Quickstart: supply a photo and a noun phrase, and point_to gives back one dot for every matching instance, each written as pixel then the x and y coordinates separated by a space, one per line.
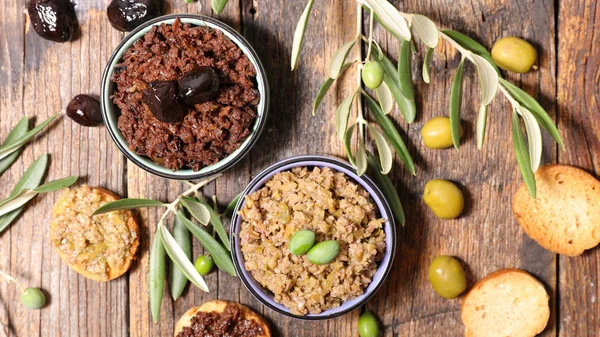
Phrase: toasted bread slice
pixel 506 303
pixel 101 247
pixel 219 307
pixel 565 216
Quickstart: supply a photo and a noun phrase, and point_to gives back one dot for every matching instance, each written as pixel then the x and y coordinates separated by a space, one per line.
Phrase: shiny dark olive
pixel 126 15
pixel 53 20
pixel 162 98
pixel 85 110
pixel 199 86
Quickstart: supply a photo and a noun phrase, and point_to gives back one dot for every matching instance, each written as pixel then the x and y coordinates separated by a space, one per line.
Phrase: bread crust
pixel 515 276
pixel 565 216
pixel 132 224
pixel 219 306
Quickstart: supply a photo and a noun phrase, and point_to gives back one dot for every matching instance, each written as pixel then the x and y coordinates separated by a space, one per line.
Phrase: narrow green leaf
pixel 180 259
pixel 8 218
pixel 6 150
pixel 388 189
pixel 455 104
pixel 391 133
pixel 198 210
pixel 361 158
pixel 189 1
pixel 385 154
pixel 388 16
pixel 481 125
pixel 57 184
pixel 218 5
pixel 18 131
pixel 299 33
pixel 156 276
pixel 219 254
pixel 215 220
pixel 427 65
pixel 522 155
pixel 231 207
pixel 177 279
pixel 405 70
pixel 19 200
pixel 385 98
pixel 342 114
pixel 471 45
pixel 348 144
pixel 534 137
pixel 535 108
pixel 123 204
pixel 339 59
pixel 488 78
pixel 321 94
pixel 426 30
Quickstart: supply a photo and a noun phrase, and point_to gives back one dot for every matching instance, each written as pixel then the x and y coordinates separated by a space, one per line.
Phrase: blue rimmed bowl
pixel 383 268
pixel 111 112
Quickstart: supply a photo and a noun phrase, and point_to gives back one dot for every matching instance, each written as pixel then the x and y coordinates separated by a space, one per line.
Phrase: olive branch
pixel 397 86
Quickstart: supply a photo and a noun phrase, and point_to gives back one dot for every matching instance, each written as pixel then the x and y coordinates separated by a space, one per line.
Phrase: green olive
pixel 444 198
pixel 323 252
pixel 436 133
pixel 368 325
pixel 514 54
pixel 204 264
pixel 302 242
pixel 33 298
pixel 372 74
pixel 447 276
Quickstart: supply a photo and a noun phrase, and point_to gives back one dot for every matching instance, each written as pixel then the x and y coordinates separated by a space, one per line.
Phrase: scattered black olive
pixel 85 110
pixel 53 20
pixel 126 15
pixel 199 86
pixel 164 102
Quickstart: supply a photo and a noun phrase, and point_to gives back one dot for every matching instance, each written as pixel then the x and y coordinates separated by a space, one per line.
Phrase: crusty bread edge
pixel 219 306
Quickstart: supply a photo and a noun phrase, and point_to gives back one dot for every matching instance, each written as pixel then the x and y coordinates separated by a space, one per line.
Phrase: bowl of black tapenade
pixel 184 96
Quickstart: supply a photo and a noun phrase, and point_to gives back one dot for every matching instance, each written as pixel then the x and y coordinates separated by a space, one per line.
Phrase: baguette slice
pixel 506 303
pixel 565 216
pixel 219 306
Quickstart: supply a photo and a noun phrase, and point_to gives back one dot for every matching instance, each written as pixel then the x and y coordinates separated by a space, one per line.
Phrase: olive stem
pixel 11 279
pixel 370 36
pixel 359 18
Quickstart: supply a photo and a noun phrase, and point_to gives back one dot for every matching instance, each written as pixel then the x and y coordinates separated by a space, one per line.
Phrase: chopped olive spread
pixel 229 323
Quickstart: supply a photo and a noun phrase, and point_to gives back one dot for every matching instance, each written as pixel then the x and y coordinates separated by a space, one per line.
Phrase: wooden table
pixel 38 78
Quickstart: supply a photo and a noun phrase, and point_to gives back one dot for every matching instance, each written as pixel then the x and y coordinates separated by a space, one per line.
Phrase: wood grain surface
pixel 38 78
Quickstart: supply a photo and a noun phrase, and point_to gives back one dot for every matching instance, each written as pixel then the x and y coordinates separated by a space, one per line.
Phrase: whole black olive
pixel 164 102
pixel 85 110
pixel 53 20
pixel 199 86
pixel 126 15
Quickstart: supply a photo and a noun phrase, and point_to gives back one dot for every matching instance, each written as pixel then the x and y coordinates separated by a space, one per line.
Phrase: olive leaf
pixel 361 158
pixel 385 154
pixel 488 76
pixel 535 108
pixel 455 104
pixel 23 196
pixel 16 144
pixel 218 5
pixel 177 279
pixel 215 220
pixel 385 98
pixel 325 87
pixel 31 179
pixel 123 204
pixel 348 144
pixel 481 125
pixel 534 137
pixel 56 184
pixel 231 207
pixel 391 133
pixel 342 114
pixel 180 259
pixel 471 45
pixel 299 33
pixel 156 276
pixel 198 210
pixel 425 29
pixel 339 59
pixel 405 70
pixel 219 254
pixel 427 65
pixel 18 131
pixel 388 16
pixel 388 189
pixel 522 155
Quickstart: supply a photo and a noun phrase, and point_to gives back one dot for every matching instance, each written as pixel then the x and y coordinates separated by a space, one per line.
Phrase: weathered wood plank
pixel 486 237
pixel 578 97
